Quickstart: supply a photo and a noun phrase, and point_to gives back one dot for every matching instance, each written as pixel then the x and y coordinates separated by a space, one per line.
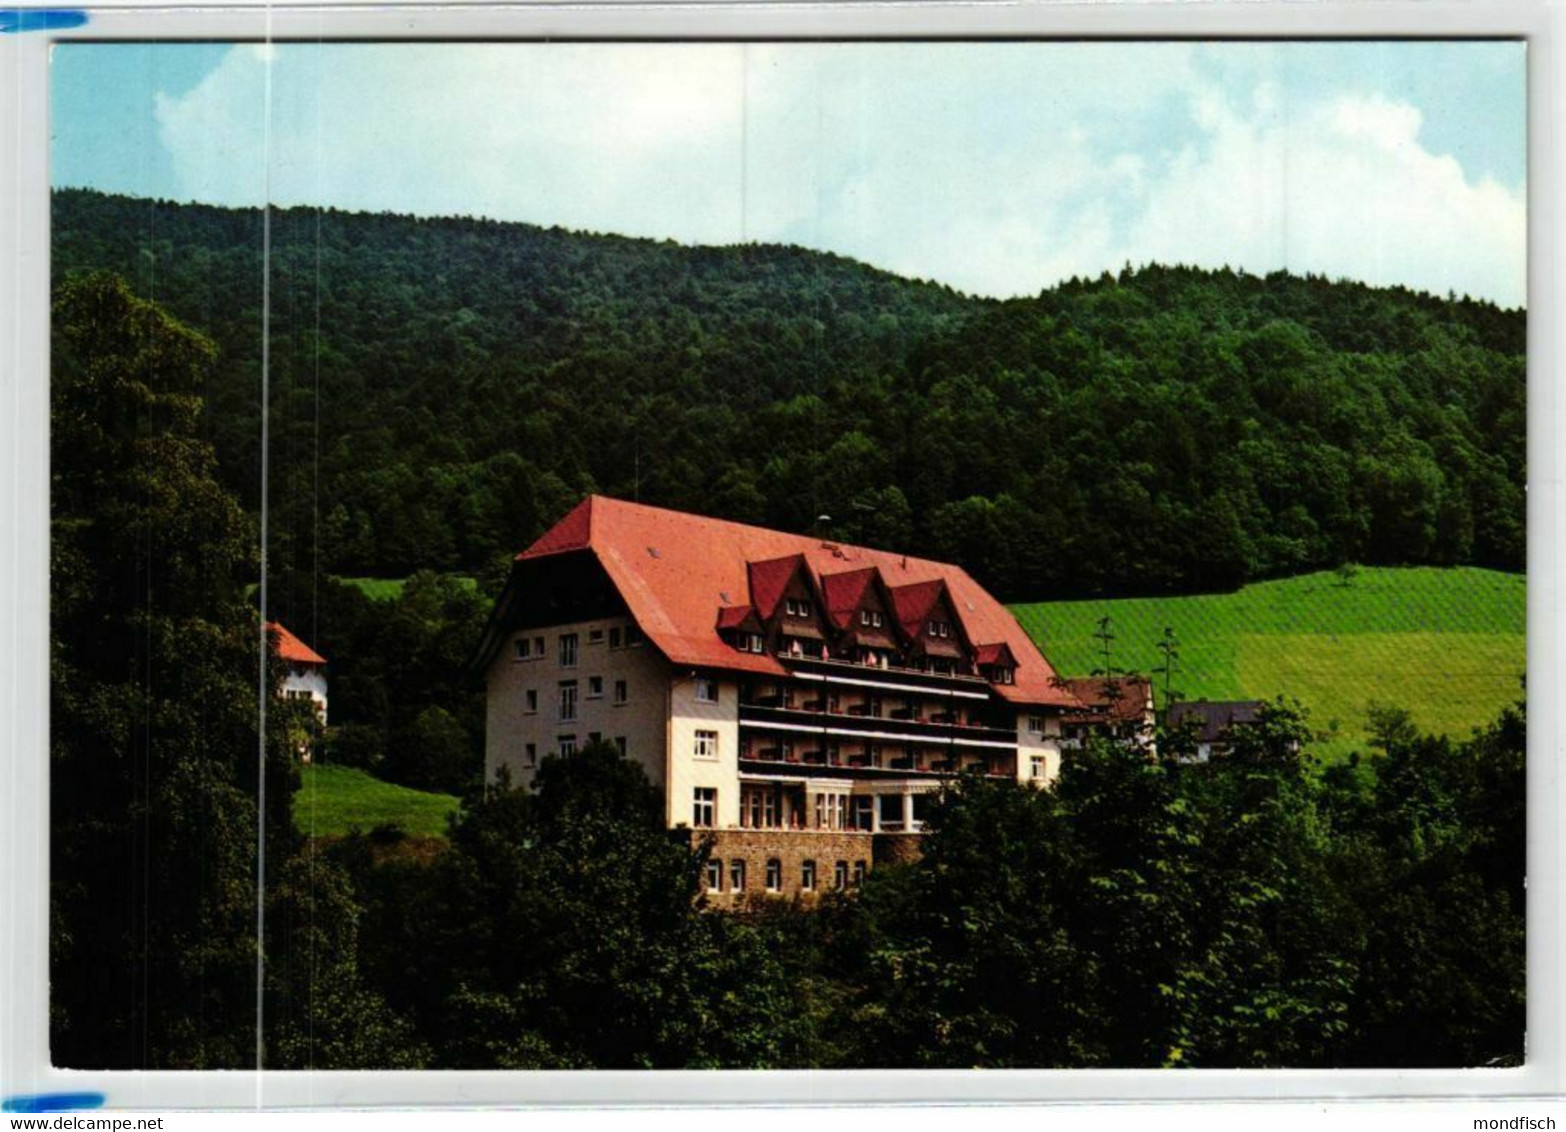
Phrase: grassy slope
pixel 1448 645
pixel 335 799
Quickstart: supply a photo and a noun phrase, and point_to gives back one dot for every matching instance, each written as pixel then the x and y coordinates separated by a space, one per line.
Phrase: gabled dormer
pixel 934 634
pixel 996 663
pixel 742 628
pixel 786 599
pixel 860 609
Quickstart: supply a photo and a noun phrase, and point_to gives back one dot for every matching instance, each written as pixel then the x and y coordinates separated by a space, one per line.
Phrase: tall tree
pixel 155 660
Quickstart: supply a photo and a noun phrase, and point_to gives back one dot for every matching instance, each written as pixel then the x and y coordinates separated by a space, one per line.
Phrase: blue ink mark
pixel 40 19
pixel 52 1102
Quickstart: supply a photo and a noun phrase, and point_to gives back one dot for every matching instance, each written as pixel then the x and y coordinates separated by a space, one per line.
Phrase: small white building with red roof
pixel 305 678
pixel 802 699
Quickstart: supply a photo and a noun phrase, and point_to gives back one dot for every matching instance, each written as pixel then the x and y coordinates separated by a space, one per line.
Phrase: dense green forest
pixel 442 390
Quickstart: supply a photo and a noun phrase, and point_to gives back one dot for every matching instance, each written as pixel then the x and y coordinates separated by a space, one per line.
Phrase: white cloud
pixel 997 168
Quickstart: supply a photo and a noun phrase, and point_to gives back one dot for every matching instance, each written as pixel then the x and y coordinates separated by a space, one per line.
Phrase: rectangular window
pixel 1036 766
pixel 771 818
pixel 567 650
pixel 714 876
pixel 538 646
pixel 567 701
pixel 864 617
pixel 706 745
pixel 807 876
pixel 804 608
pixel 737 875
pixel 706 690
pixel 876 620
pixel 756 643
pixel 532 754
pixel 595 687
pixel 619 742
pixel 633 636
pixel 595 636
pixel 614 637
pixel 793 607
pixel 1036 724
pixel 891 809
pixel 622 692
pixel 530 700
pixel 840 875
pixel 774 875
pixel 524 648
pixel 704 812
pixel 862 812
pixel 859 872
pixel 567 744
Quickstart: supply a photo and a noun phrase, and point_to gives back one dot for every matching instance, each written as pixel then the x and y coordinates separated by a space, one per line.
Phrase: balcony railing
pixel 901 724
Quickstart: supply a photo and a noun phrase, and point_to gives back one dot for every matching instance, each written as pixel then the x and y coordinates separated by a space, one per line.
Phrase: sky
pixel 998 168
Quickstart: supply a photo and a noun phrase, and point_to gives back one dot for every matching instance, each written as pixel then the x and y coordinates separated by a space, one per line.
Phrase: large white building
pixel 305 675
pixel 800 698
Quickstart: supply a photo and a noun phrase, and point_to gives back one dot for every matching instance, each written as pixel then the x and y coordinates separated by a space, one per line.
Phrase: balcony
pixel 898 725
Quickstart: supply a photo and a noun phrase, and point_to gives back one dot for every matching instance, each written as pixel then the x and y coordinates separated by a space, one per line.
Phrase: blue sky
pixel 999 168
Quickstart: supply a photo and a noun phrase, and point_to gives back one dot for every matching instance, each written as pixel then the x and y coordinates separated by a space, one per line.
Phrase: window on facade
pixel 774 875
pixel 538 646
pixel 1036 724
pixel 619 742
pixel 831 811
pixel 531 754
pixel 633 636
pixel 864 617
pixel 804 608
pixel 524 648
pixel 704 812
pixel 1036 766
pixel 622 692
pixel 706 745
pixel 1003 675
pixel 567 701
pixel 714 876
pixel 807 876
pixel 567 650
pixel 567 744
pixel 877 620
pixel 614 637
pixel 595 636
pixel 706 690
pixel 756 643
pixel 595 687
pixel 859 872
pixel 737 875
pixel 530 699
pixel 921 808
pixel 840 875
pixel 891 809
pixel 792 606
pixel 862 813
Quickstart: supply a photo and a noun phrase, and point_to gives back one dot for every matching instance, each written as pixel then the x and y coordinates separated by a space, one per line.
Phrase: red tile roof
pixel 291 648
pixel 671 568
pixel 1123 699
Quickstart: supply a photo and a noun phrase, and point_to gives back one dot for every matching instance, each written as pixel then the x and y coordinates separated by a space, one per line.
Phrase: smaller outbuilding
pixel 306 675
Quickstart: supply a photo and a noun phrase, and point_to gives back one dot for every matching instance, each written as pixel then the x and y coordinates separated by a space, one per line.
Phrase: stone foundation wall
pixel 792 848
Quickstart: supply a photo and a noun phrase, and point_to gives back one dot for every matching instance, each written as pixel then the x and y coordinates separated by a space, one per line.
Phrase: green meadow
pixel 1445 644
pixel 334 800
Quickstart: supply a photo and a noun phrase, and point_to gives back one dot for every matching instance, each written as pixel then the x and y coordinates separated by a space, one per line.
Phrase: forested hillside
pixel 442 390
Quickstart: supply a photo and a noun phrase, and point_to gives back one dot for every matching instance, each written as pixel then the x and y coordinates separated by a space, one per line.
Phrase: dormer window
pixel 864 617
pixel 793 607
pixel 1004 674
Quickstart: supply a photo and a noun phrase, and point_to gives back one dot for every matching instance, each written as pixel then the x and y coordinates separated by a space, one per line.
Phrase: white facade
pixel 307 682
